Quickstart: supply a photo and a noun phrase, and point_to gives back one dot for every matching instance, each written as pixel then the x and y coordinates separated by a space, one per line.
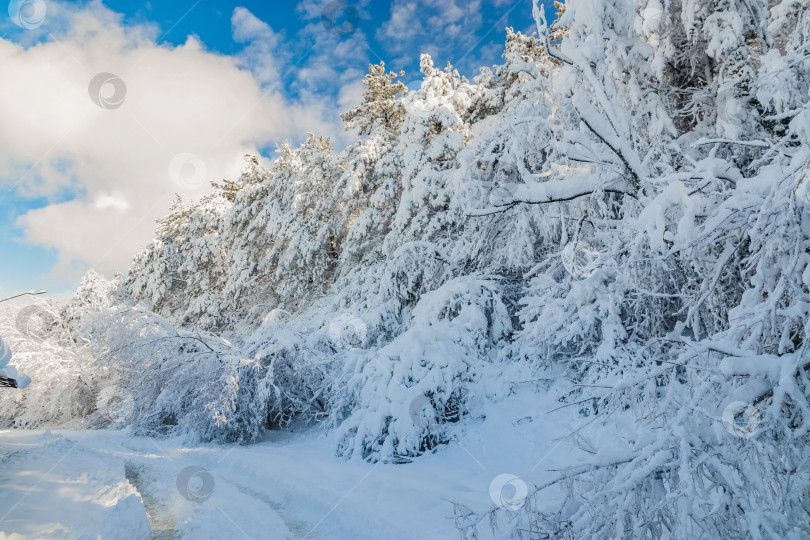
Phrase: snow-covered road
pixel 84 484
pixel 108 484
pixel 103 484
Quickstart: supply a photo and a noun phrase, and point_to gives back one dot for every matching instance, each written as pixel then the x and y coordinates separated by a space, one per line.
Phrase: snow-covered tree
pixel 380 105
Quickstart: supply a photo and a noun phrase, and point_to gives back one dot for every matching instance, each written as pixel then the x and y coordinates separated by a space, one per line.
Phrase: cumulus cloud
pixel 173 118
pixel 331 46
pixel 440 25
pixel 262 54
pixel 108 168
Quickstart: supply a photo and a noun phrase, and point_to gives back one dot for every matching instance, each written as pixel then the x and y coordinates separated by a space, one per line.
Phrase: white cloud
pixel 261 55
pixel 113 163
pixel 405 23
pixel 440 25
pixel 327 58
pixel 115 201
pixel 351 94
pixel 107 170
pixel 319 66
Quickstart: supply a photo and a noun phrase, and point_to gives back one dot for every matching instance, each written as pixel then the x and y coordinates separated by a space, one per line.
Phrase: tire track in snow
pixel 172 517
pixel 298 528
pixel 161 519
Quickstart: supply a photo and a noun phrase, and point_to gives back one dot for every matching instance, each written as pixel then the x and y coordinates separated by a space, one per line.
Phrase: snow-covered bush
pixel 49 344
pixel 435 362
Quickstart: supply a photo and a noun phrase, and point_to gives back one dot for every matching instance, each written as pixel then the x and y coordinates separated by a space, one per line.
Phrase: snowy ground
pixel 86 484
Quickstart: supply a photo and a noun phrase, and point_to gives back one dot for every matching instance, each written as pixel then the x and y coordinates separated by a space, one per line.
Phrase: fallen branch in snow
pixel 472 520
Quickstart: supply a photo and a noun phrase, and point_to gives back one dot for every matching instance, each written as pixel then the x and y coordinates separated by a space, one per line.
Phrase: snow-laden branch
pixel 553 191
pixel 539 14
pixel 704 141
pixel 605 132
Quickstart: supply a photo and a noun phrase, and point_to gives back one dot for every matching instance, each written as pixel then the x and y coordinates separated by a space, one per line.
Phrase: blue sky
pixel 210 20
pixel 80 186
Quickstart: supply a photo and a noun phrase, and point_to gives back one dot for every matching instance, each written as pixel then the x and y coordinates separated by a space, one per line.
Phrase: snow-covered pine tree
pixel 380 106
